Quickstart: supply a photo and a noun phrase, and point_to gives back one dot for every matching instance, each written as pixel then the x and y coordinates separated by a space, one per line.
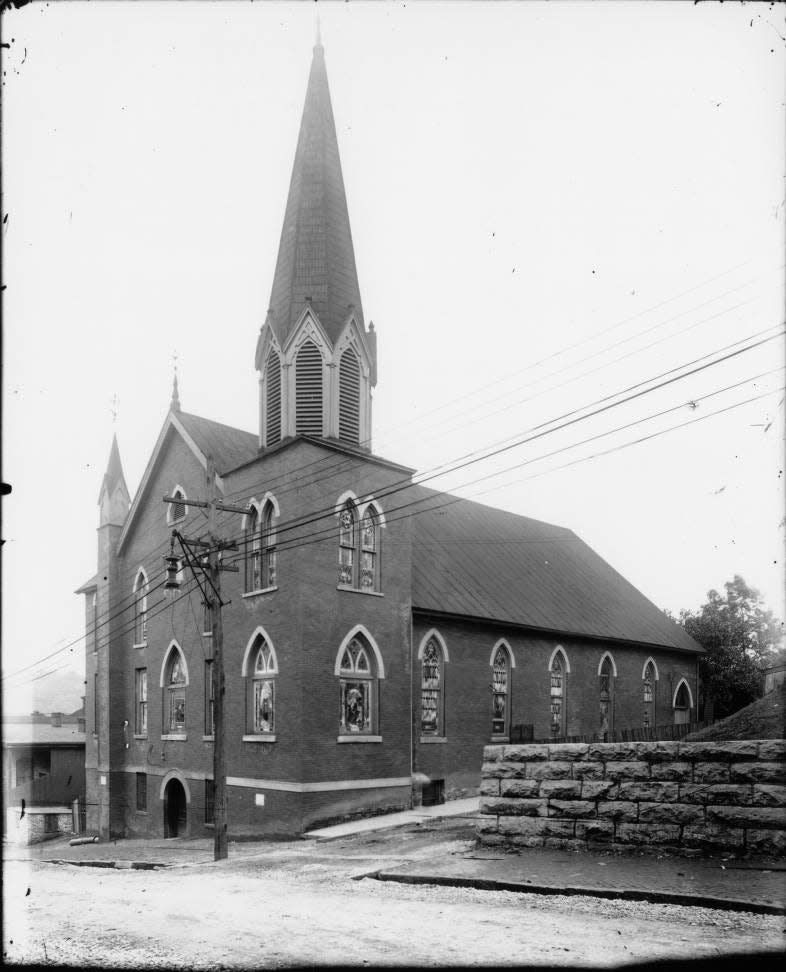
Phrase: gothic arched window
pixel 606 697
pixel 649 694
pixel 432 701
pixel 268 543
pixel 175 682
pixel 500 693
pixel 349 397
pixel 272 399
pixel 369 550
pixel 308 390
pixel 357 689
pixel 558 677
pixel 262 688
pixel 683 703
pixel 253 551
pixel 347 541
pixel 140 608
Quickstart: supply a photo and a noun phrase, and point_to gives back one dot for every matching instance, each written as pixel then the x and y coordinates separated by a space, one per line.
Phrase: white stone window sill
pixel 174 737
pixel 500 739
pixel 140 735
pixel 208 738
pixel 262 590
pixel 358 738
pixel 433 739
pixel 267 737
pixel 141 644
pixel 139 812
pixel 207 634
pixel 358 590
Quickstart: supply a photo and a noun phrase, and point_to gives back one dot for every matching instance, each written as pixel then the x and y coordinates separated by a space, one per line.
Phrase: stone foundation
pixel 687 797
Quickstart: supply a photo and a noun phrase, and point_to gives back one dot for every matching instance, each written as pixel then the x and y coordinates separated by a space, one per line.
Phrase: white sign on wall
pixel 259 799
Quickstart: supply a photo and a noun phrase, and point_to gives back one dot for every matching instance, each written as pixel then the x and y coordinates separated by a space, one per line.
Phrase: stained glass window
pixel 356 690
pixel 500 676
pixel 263 693
pixel 431 709
pixel 557 697
pixel 268 546
pixel 368 551
pixel 606 711
pixel 176 693
pixel 253 551
pixel 649 675
pixel 346 546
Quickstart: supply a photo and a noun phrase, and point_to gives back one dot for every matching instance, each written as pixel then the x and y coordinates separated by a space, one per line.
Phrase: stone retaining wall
pixel 691 797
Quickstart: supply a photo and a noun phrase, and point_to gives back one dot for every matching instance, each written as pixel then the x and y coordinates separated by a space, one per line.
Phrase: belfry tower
pixel 316 359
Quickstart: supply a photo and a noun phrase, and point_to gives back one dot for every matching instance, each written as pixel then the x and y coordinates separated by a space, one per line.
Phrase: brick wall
pixel 467 691
pixel 690 797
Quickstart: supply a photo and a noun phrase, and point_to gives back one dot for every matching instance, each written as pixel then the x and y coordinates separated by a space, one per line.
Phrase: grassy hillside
pixel 763 719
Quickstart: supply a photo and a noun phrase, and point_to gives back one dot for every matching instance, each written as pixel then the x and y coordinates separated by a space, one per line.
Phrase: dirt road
pixel 302 903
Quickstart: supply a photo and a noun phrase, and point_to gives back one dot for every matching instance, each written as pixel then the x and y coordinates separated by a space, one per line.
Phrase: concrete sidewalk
pixel 454 808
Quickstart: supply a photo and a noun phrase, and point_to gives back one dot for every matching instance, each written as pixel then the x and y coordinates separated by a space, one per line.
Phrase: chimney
pixel 57 718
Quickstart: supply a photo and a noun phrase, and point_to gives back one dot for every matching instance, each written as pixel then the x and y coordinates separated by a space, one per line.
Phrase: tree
pixel 740 637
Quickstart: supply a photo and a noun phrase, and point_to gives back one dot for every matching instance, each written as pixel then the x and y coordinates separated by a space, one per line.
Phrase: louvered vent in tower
pixel 308 390
pixel 349 398
pixel 273 403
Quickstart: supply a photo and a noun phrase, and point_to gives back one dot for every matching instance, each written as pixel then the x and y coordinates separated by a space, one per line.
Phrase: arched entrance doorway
pixel 175 809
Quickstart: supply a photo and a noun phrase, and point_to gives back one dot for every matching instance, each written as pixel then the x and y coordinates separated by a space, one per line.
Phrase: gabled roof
pixel 229 447
pixel 316 259
pixel 477 561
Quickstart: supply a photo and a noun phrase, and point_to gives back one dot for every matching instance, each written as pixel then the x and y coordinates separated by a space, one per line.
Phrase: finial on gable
pixel 174 405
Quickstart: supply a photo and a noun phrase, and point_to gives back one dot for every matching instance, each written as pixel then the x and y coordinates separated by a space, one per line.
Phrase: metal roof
pixel 477 561
pixel 228 446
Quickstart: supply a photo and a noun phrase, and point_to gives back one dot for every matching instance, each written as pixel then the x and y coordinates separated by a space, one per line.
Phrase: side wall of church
pixel 467 686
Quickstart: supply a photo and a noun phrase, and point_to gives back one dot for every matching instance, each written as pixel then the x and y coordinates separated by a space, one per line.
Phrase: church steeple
pixel 114 499
pixel 315 320
pixel 316 259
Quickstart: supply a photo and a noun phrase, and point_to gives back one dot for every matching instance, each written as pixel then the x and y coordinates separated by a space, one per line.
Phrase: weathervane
pixel 174 405
pixel 114 408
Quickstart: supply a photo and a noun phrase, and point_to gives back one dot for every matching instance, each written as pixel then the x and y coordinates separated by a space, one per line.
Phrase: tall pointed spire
pixel 316 259
pixel 114 498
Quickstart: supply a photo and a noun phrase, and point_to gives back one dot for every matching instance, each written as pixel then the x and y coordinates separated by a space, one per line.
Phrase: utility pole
pixel 212 596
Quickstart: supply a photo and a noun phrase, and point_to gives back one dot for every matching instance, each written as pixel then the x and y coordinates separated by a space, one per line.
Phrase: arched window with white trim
pixel 358 689
pixel 369 550
pixel 682 704
pixel 253 551
pixel 140 608
pixel 558 673
pixel 648 691
pixel 268 545
pixel 175 682
pixel 347 542
pixel 500 692
pixel 606 697
pixel 432 690
pixel 262 669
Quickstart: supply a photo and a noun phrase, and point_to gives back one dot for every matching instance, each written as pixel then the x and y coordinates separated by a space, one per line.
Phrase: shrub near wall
pixel 688 797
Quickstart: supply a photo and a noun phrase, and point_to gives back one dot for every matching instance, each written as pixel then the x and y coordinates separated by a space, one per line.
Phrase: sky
pixel 550 203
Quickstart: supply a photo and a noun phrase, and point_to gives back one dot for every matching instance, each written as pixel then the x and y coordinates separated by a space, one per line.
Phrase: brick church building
pixel 379 633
